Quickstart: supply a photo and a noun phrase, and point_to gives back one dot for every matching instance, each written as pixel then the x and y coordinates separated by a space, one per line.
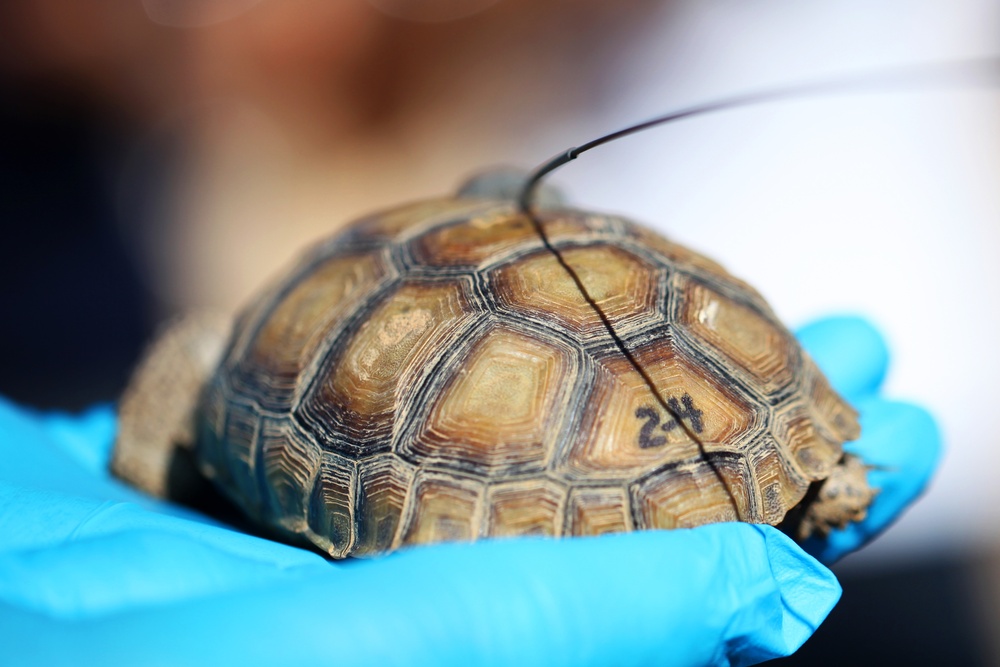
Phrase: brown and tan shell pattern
pixel 433 373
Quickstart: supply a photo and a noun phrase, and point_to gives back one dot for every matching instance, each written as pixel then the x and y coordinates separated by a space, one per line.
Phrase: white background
pixel 882 204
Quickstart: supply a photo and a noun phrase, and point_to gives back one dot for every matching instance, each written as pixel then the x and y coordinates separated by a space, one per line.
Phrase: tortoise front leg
pixel 156 414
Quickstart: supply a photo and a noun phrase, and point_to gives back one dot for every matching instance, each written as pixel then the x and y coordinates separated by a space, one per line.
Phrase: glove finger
pixel 723 594
pixel 92 556
pixel 35 455
pixel 54 473
pixel 125 571
pixel 850 351
pixel 903 444
pixel 37 520
pixel 87 438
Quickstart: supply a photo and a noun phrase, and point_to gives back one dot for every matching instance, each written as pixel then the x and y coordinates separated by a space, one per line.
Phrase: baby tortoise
pixel 437 372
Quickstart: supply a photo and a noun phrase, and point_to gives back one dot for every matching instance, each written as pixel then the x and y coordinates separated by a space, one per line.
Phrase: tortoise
pixel 440 371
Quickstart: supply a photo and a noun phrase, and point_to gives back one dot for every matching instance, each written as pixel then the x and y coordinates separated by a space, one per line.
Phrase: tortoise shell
pixel 436 373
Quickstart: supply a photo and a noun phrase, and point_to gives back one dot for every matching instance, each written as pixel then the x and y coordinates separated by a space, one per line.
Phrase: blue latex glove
pixel 92 572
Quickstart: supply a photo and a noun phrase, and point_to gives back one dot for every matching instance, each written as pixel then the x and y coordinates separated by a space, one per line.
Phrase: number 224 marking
pixel 683 409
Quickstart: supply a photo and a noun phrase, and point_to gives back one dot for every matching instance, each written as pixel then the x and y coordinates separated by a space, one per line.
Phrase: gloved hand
pixel 92 572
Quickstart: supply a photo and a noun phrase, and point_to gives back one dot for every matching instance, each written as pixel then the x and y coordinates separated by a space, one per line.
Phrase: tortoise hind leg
pixel 840 499
pixel 156 415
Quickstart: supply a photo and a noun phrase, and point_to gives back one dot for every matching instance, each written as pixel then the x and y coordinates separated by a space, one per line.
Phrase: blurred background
pixel 158 156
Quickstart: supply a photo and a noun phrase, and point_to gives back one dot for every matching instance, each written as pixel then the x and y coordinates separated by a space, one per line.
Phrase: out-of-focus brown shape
pixel 319 67
pixel 251 136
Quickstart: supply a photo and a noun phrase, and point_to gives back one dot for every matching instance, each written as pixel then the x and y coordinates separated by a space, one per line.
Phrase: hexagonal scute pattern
pixel 288 463
pixel 241 435
pixel 694 494
pixel 360 391
pixel 443 508
pixel 477 240
pixel 502 409
pixel 624 431
pixel 299 323
pixel 766 352
pixel 494 236
pixel 383 485
pixel 532 507
pixel 713 408
pixel 811 452
pixel 331 512
pixel 598 510
pixel 780 486
pixel 434 373
pixel 625 288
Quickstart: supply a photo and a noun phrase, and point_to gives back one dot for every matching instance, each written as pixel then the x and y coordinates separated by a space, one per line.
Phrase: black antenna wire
pixel 959 73
pixel 963 73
